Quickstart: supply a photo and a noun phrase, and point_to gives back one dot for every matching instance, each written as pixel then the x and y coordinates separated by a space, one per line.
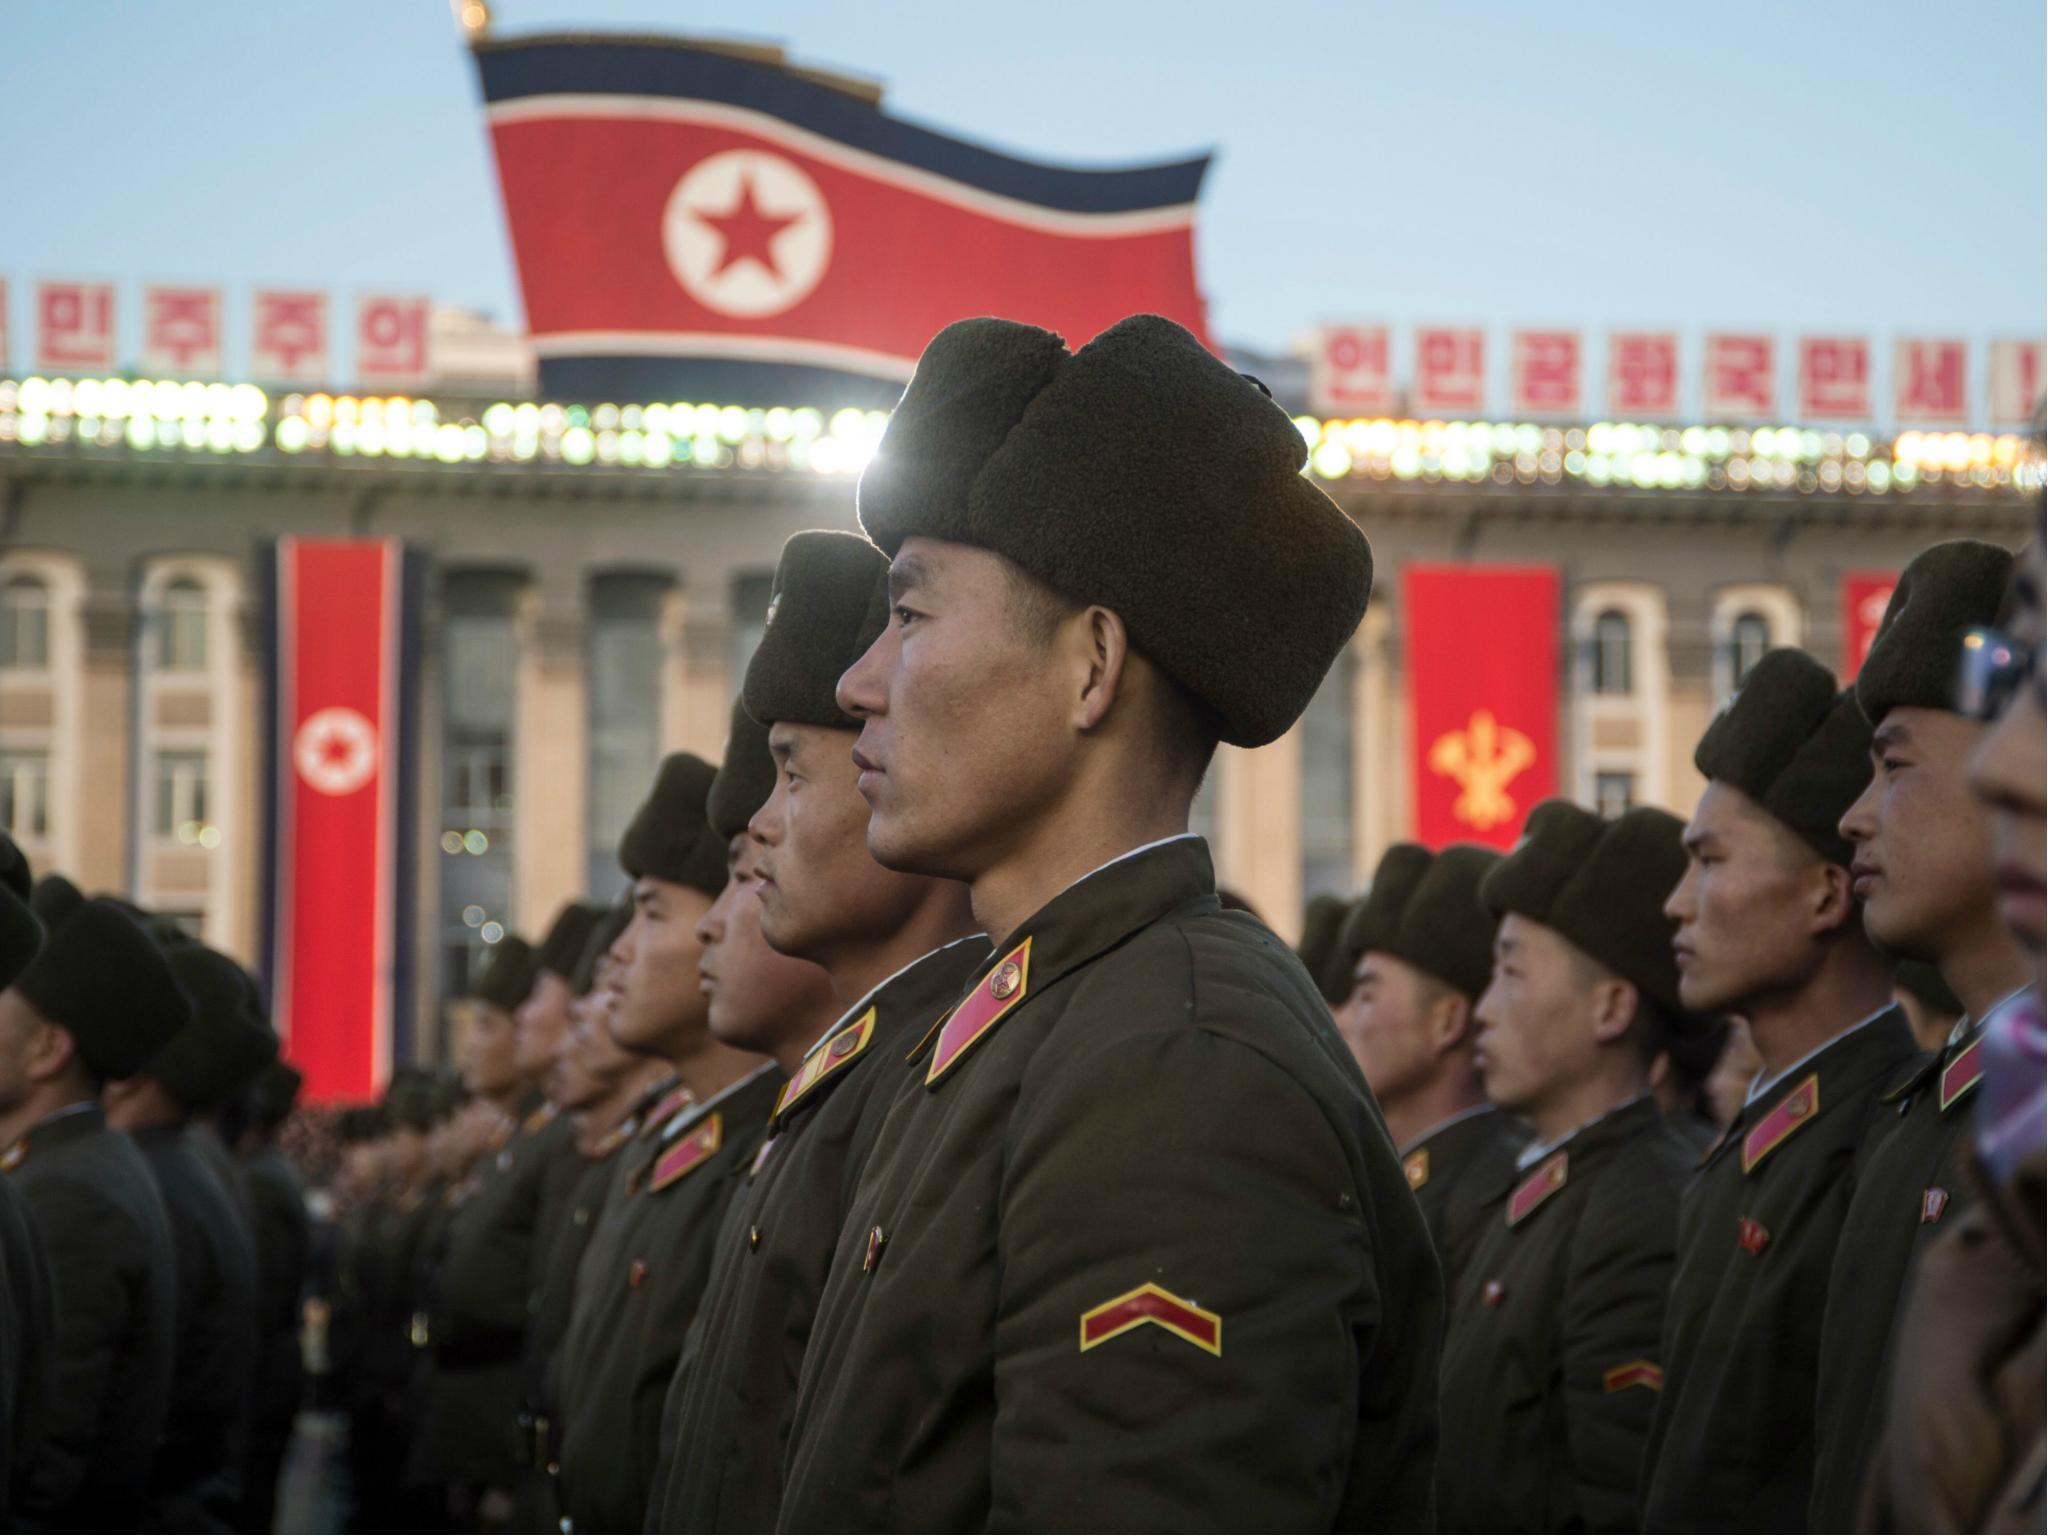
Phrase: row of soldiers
pixel 154 1241
pixel 941 1152
pixel 925 1144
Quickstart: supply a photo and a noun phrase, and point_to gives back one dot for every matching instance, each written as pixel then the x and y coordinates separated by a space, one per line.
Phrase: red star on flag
pixel 749 233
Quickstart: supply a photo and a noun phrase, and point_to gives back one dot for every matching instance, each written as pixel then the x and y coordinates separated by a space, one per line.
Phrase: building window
pixel 479 682
pixel 24 623
pixel 181 798
pixel 25 795
pixel 1326 780
pixel 1613 792
pixel 181 626
pixel 1747 641
pixel 625 712
pixel 1613 661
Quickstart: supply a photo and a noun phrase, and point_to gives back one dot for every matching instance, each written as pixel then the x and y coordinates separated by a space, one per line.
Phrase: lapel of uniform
pixel 1093 915
pixel 687 1153
pixel 1793 1110
pixel 1545 1180
pixel 838 1051
pixel 1962 1072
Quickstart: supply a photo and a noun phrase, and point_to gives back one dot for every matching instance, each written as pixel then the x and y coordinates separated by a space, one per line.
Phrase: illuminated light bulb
pixel 1331 461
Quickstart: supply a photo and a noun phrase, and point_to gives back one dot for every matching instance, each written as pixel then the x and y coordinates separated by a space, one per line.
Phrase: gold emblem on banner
pixel 1482 760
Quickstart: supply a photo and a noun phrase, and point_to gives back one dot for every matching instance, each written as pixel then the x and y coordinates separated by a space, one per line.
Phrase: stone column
pixel 1258 829
pixel 105 694
pixel 550 757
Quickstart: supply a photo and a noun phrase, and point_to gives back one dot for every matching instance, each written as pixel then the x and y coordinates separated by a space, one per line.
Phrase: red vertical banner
pixel 1865 595
pixel 337 851
pixel 1481 645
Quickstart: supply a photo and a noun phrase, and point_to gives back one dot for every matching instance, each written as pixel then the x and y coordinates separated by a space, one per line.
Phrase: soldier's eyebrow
pixel 907 573
pixel 1893 733
pixel 1694 841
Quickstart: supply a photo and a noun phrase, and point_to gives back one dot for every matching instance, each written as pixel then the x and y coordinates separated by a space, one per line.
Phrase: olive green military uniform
pixel 197 1478
pixel 115 1292
pixel 284 1246
pixel 1456 1169
pixel 637 1291
pixel 1551 1362
pixel 488 1276
pixel 1133 1250
pixel 27 1338
pixel 1910 1191
pixel 1732 1444
pixel 734 1392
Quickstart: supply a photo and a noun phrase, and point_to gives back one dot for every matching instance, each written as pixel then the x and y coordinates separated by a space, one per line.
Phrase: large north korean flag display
pixel 693 224
pixel 342 619
pixel 1481 643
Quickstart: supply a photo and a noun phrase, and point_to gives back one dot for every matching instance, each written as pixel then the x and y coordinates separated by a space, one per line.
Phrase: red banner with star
pixel 1865 596
pixel 339 845
pixel 692 224
pixel 1481 649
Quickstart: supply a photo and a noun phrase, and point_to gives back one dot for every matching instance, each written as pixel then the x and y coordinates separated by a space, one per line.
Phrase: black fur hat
pixel 1143 474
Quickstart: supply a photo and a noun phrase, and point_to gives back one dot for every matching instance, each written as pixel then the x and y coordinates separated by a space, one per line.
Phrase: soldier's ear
pixel 1107 653
pixel 1449 1021
pixel 1834 899
pixel 1614 1003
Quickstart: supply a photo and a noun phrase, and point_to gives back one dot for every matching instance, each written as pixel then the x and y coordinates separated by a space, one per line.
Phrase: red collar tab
pixel 1785 1117
pixel 689 1153
pixel 1546 1181
pixel 1003 988
pixel 1963 1073
pixel 841 1050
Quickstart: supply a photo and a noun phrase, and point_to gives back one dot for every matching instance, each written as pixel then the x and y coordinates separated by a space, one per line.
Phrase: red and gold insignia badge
pixel 1416 1166
pixel 667 1108
pixel 1003 988
pixel 1751 1235
pixel 1492 1294
pixel 1546 1181
pixel 1962 1074
pixel 877 1241
pixel 1152 1304
pixel 688 1154
pixel 636 1274
pixel 10 1159
pixel 1933 1201
pixel 1637 1373
pixel 844 1047
pixel 1785 1117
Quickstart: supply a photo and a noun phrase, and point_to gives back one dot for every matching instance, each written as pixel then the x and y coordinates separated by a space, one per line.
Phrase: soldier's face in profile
pixel 1387 1021
pixel 756 993
pixel 489 1050
pixel 1923 866
pixel 661 1003
pixel 1536 1028
pixel 539 1024
pixel 967 735
pixel 819 887
pixel 1752 907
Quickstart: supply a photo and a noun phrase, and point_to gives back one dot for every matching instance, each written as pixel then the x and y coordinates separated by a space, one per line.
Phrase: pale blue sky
pixel 1873 167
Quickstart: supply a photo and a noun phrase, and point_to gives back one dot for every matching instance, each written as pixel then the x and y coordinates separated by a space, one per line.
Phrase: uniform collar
pixel 874 993
pixel 1445 1124
pixel 1612 1121
pixel 696 1110
pixel 1763 1083
pixel 71 1123
pixel 1087 919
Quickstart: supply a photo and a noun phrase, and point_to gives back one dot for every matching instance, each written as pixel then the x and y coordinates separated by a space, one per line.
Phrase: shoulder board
pixel 1784 1117
pixel 1546 1181
pixel 1416 1166
pixel 1964 1071
pixel 841 1050
pixel 539 1120
pixel 1003 988
pixel 501 1135
pixel 688 1154
pixel 664 1109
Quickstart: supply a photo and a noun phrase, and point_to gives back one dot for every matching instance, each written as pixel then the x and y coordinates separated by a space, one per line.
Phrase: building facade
pixel 598 579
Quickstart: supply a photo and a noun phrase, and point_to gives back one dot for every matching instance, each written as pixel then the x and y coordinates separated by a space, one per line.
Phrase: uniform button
pixel 753 1238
